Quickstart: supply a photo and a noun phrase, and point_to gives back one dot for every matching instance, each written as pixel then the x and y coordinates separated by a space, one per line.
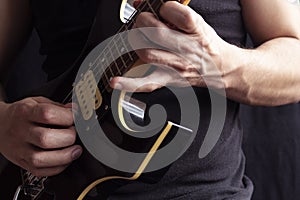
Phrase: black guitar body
pixel 69 184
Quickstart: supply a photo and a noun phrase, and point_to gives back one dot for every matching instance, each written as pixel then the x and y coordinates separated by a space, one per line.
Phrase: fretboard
pixel 117 55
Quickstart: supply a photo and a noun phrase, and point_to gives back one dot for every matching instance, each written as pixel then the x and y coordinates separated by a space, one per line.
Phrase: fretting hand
pixel 185 43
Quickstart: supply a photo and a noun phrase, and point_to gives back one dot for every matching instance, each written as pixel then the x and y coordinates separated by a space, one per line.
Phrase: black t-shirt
pixel 272 146
pixel 63 26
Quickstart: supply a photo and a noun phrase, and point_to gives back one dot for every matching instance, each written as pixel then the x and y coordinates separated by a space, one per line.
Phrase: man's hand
pixel 186 44
pixel 38 135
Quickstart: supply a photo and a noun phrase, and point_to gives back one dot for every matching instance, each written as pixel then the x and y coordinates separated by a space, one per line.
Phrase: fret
pixel 111 53
pixel 125 46
pixel 102 63
pixel 91 64
pixel 162 2
pixel 120 55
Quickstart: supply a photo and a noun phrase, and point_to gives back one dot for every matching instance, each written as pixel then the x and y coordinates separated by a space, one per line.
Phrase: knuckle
pixel 146 19
pixel 151 87
pixel 141 17
pixel 147 56
pixel 46 114
pixel 35 161
pixel 159 34
pixel 44 139
pixel 21 107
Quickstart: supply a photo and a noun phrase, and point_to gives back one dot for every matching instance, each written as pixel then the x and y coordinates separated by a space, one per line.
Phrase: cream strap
pixel 141 168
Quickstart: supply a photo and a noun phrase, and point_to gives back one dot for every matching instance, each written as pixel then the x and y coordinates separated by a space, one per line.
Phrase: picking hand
pixel 38 135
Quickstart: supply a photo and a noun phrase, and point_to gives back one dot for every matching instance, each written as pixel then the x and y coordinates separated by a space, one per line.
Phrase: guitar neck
pixel 121 62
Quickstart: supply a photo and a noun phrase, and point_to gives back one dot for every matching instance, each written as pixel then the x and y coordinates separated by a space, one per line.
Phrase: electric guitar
pixel 118 115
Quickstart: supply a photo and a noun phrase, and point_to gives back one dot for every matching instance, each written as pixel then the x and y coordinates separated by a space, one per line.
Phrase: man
pixel 46 152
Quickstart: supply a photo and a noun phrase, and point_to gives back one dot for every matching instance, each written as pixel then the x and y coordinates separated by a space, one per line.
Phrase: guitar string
pixel 122 41
pixel 93 124
pixel 106 86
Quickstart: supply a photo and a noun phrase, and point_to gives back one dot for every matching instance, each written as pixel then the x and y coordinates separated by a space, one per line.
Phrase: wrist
pixel 234 60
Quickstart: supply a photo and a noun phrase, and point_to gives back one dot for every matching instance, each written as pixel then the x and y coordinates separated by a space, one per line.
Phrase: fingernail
pixel 118 86
pixel 76 153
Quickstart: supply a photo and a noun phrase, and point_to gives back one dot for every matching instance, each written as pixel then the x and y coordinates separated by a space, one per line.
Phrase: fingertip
pixel 68 105
pixel 115 83
pixel 74 108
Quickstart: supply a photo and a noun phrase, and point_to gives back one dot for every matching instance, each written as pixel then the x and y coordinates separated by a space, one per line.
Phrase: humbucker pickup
pixel 88 95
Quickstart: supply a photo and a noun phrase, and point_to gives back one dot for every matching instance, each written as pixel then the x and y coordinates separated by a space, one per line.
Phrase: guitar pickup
pixel 88 95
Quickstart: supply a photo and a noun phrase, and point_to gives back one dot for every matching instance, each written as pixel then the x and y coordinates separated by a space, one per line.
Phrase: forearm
pixel 15 28
pixel 268 75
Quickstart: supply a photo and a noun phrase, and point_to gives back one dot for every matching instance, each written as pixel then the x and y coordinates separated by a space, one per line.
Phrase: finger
pixel 142 37
pixel 157 79
pixel 54 158
pixel 164 59
pixel 73 106
pixel 51 114
pixel 48 138
pixel 41 99
pixel 179 51
pixel 183 17
pixel 160 36
pixel 149 52
pixel 147 19
pixel 200 35
pixel 151 29
pixel 69 105
pixel 145 84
